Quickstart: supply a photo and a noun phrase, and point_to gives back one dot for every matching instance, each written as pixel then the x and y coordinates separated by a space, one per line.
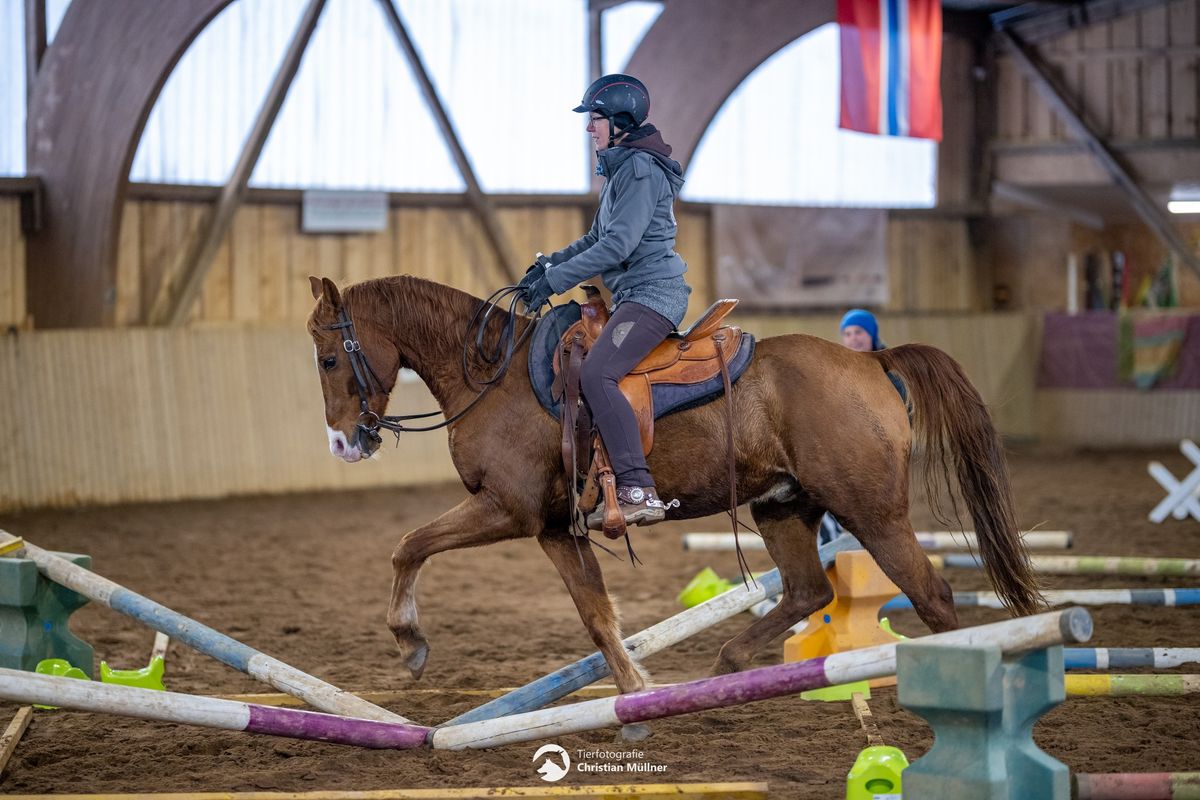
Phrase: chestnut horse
pixel 819 428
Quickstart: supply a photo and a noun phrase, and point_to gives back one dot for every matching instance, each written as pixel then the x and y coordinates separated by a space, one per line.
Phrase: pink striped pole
pixel 1136 786
pixel 1012 635
pixel 207 712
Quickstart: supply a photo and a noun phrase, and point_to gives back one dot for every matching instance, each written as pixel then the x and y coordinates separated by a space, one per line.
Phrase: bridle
pixel 367 383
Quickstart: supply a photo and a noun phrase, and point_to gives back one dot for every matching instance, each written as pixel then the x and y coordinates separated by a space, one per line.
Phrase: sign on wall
pixel 326 211
pixel 801 258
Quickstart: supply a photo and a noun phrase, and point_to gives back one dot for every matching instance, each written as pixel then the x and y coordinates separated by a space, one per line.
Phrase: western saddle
pixel 694 355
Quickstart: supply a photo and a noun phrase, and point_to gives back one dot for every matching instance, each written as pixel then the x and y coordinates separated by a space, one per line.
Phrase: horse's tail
pixel 951 419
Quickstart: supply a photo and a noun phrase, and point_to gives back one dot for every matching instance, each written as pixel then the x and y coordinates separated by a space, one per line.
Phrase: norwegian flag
pixel 891 67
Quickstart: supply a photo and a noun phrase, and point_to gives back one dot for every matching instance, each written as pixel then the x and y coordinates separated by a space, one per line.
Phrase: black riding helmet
pixel 623 99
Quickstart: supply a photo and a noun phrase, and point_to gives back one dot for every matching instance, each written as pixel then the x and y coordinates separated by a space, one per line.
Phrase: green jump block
pixel 33 616
pixel 982 708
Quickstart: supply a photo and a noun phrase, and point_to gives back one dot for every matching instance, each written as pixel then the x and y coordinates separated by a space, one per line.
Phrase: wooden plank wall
pixel 1117 418
pixel 1029 258
pixel 142 414
pixel 138 414
pixel 1137 76
pixel 12 265
pixel 932 266
pixel 261 271
pixel 999 352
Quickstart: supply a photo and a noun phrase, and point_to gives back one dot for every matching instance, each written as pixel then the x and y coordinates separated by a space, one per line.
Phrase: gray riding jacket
pixel 632 239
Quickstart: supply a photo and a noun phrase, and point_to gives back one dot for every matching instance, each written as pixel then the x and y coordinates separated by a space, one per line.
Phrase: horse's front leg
pixel 576 563
pixel 476 521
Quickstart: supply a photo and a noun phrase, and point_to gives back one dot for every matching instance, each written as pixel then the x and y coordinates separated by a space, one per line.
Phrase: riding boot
pixel 639 506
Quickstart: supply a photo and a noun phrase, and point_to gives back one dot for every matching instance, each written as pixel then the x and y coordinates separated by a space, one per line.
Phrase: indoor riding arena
pixel 319 481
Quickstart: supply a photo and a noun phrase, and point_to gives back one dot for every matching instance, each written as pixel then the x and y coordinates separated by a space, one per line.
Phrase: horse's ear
pixel 325 288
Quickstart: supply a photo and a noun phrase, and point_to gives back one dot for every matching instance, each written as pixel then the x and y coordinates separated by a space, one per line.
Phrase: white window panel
pixel 508 72
pixel 624 27
pixel 776 141
pixel 55 10
pixel 12 88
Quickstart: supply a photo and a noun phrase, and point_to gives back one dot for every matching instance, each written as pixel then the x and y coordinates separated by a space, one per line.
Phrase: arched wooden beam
pixel 697 52
pixel 98 82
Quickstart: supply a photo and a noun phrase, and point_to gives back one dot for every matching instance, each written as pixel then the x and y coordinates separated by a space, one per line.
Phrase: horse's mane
pixel 430 310
pixel 431 315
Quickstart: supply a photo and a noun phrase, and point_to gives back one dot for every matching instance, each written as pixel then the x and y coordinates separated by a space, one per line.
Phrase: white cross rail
pixel 1183 496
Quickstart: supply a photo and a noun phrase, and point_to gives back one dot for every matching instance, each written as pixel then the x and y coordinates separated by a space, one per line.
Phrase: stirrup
pixel 638 507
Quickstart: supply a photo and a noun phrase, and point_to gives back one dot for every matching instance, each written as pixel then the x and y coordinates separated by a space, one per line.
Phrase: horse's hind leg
pixel 897 552
pixel 789 529
pixel 576 563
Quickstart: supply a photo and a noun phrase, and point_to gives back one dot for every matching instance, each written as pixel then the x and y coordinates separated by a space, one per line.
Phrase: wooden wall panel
pixel 178 414
pixel 1029 254
pixel 693 243
pixel 931 266
pixel 1124 74
pixel 1130 419
pixel 956 157
pixel 13 295
pixel 1135 75
pixel 205 412
pixel 1185 83
pixel 997 351
pixel 261 272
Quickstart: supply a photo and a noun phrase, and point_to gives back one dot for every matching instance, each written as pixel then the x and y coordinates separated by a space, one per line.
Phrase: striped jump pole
pixel 207 712
pixel 1086 565
pixel 590 669
pixel 244 658
pixel 1012 635
pixel 1132 685
pixel 930 540
pixel 1128 657
pixel 1083 597
pixel 1135 786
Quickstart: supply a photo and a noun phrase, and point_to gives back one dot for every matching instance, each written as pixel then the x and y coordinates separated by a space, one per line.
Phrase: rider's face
pixel 597 128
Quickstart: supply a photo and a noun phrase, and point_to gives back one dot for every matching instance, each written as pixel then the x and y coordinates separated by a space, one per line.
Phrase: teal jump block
pixel 982 709
pixel 33 616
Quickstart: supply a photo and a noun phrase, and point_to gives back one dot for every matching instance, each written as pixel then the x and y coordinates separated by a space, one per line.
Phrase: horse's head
pixel 357 366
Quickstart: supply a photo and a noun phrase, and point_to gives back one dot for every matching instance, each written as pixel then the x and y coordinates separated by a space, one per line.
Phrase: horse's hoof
pixel 634 732
pixel 724 666
pixel 416 661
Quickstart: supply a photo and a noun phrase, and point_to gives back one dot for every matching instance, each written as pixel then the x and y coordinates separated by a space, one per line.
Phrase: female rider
pixel 631 247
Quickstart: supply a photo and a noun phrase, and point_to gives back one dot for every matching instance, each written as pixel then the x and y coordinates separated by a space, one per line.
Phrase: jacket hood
pixel 648 139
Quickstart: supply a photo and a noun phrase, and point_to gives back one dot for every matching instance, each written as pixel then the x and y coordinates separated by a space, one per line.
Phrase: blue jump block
pixel 34 612
pixel 982 708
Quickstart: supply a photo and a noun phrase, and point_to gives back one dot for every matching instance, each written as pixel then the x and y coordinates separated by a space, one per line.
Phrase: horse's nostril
pixel 339 447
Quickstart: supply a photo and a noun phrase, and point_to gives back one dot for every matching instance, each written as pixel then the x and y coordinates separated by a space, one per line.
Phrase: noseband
pixel 366 428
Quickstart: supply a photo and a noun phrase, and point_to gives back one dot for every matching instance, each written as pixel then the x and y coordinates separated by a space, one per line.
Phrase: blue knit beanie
pixel 865 320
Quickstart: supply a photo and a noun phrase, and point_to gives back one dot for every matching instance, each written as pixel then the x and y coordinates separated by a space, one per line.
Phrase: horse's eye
pixel 328 363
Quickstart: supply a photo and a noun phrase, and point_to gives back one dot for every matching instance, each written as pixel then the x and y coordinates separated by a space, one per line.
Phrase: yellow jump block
pixel 851 621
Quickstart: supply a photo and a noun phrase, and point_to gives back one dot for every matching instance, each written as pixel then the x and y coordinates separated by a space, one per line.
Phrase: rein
pixel 367 382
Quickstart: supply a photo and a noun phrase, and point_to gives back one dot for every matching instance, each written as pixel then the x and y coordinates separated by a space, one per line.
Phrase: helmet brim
pixel 580 109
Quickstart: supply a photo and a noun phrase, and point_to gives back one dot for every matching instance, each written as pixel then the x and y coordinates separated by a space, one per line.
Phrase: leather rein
pixel 368 384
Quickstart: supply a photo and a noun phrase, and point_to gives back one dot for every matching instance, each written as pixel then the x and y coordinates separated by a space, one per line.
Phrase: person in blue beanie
pixel 631 247
pixel 860 331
